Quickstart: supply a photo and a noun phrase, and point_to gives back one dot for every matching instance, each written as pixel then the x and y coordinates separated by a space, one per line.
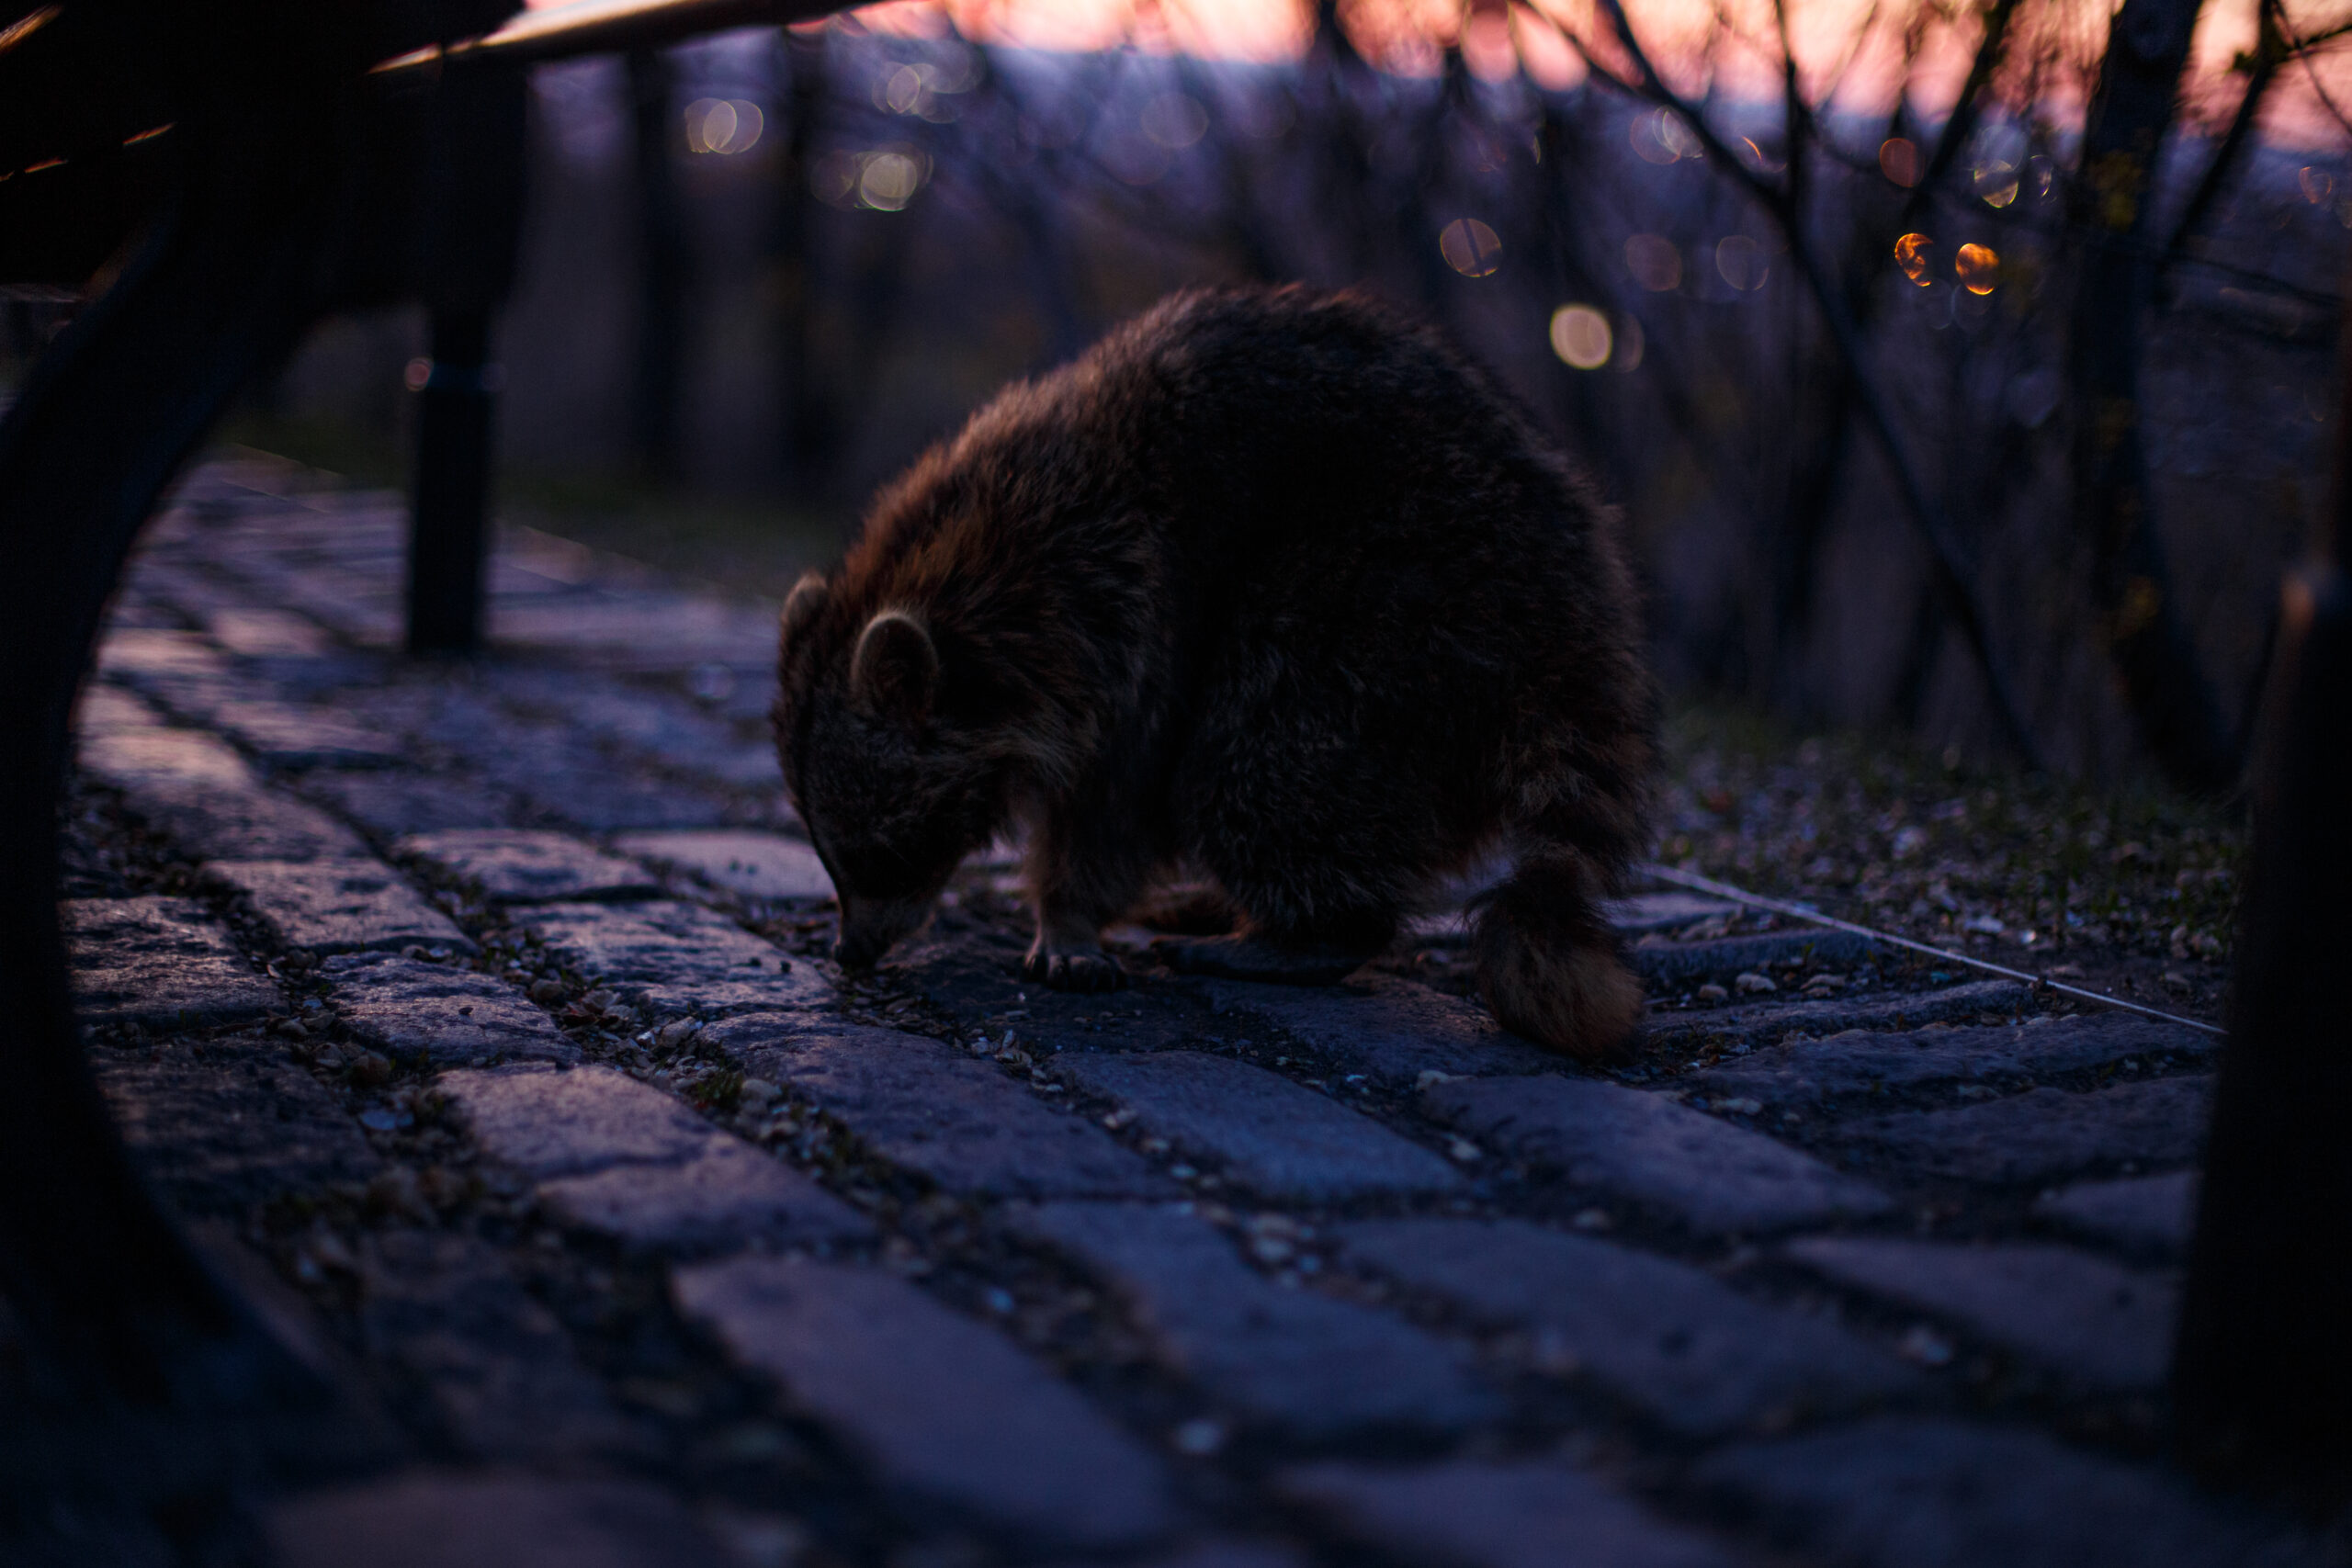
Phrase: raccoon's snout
pixel 871 927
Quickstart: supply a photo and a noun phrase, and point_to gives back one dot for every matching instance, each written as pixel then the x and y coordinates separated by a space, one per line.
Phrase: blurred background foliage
pixel 1963 367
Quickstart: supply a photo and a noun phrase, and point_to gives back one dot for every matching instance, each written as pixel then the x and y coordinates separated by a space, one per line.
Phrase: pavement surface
pixel 477 1016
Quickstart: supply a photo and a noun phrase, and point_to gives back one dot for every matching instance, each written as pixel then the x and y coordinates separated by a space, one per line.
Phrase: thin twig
pixel 1708 884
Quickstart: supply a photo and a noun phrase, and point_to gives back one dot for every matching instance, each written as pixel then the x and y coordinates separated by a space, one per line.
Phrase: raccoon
pixel 1271 587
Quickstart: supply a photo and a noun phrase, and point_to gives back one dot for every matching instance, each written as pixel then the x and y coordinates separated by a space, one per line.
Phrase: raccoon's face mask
pixel 891 803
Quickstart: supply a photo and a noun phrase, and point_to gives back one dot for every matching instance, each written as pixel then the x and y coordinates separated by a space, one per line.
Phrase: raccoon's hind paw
pixel 1079 971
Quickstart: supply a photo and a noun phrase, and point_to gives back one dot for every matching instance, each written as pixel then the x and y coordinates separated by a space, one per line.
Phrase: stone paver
pixel 435 1519
pixel 546 1123
pixel 1269 1133
pixel 161 962
pixel 2152 1213
pixel 103 709
pixel 257 632
pixel 1528 1514
pixel 514 866
pixel 286 736
pixel 1480 1306
pixel 190 785
pixel 924 1105
pixel 1790 1022
pixel 724 1196
pixel 1678 1344
pixel 670 958
pixel 940 1408
pixel 1666 965
pixel 336 905
pixel 1390 1030
pixel 1939 1494
pixel 758 865
pixel 621 1157
pixel 240 1126
pixel 499 1370
pixel 2045 1133
pixel 440 1014
pixel 394 803
pixel 1810 1071
pixel 654 723
pixel 1640 1145
pixel 2077 1315
pixel 1316 1366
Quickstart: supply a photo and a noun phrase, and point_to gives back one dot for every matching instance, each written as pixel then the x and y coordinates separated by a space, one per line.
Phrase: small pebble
pixel 1463 1150
pixel 676 1032
pixel 1715 993
pixel 370 1069
pixel 1753 984
pixel 546 993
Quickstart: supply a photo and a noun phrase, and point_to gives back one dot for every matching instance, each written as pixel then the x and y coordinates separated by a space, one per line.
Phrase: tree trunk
pixel 661 272
pixel 2139 617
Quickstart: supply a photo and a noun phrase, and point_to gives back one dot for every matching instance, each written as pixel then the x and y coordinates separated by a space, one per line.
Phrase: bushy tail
pixel 1547 961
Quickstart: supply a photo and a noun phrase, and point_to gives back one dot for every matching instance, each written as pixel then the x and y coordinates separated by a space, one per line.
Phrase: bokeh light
pixel 1911 255
pixel 1470 248
pixel 722 125
pixel 1898 160
pixel 890 181
pixel 1979 267
pixel 1655 262
pixel 1580 336
pixel 1742 262
pixel 1660 137
pixel 1175 120
pixel 882 180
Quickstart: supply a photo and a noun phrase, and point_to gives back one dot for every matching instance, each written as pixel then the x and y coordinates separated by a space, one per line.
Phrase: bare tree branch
pixel 1946 560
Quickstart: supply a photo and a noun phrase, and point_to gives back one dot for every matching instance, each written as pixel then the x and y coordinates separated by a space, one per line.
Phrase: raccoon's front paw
pixel 1078 971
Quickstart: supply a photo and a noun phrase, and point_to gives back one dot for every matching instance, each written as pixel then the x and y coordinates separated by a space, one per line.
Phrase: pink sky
pixel 1501 37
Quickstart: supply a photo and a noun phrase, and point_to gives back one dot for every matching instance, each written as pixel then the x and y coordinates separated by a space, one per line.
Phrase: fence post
pixel 448 534
pixel 469 205
pixel 2262 1371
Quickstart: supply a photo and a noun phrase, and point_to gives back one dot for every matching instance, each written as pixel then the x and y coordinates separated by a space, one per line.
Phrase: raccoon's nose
pixel 856 949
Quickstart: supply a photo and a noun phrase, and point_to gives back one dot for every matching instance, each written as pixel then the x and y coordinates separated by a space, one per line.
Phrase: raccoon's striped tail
pixel 1547 959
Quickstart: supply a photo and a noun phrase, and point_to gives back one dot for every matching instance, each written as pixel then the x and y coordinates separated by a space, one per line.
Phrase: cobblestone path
pixel 479 1018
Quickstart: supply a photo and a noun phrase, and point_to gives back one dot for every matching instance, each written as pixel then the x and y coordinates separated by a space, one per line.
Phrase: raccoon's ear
pixel 801 608
pixel 896 667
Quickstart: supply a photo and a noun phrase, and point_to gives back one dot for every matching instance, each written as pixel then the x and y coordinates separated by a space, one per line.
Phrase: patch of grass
pixel 2137 886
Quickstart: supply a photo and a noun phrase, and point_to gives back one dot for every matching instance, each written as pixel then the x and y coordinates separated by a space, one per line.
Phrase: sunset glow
pixel 1849 54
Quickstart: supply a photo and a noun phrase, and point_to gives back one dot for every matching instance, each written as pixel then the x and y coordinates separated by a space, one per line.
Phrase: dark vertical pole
pixel 2114 203
pixel 449 533
pixel 2262 1374
pixel 806 406
pixel 469 202
pixel 661 271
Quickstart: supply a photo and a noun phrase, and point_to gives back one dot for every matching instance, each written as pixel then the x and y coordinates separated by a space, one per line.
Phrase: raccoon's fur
pixel 1271 586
